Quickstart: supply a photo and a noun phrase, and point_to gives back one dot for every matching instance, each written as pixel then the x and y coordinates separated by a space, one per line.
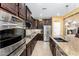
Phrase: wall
pixel 74 18
pixel 73 12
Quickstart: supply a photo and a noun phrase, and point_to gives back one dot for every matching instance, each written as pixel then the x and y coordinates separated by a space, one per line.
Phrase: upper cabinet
pixel 22 10
pixel 18 9
pixel 11 7
pixel 47 21
pixel 28 14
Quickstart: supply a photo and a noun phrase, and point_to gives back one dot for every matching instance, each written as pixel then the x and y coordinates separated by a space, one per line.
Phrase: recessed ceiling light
pixel 66 5
pixel 44 8
pixel 41 14
pixel 40 19
pixel 58 14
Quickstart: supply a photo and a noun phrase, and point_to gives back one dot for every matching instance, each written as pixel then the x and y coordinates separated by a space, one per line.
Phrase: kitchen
pixel 39 29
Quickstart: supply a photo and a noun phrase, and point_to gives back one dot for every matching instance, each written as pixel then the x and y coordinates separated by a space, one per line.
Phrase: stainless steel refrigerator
pixel 46 32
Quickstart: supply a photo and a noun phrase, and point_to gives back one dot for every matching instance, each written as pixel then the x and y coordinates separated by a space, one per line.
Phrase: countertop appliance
pixel 12 34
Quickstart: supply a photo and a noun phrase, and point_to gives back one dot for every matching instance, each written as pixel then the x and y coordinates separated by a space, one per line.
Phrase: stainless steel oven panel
pixel 6 21
pixel 19 50
pixel 7 50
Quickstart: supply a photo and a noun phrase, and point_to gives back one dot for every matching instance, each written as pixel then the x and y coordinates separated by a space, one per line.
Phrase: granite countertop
pixel 28 39
pixel 31 33
pixel 71 48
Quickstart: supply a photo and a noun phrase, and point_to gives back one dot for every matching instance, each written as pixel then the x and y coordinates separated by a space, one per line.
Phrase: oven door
pixel 8 50
pixel 10 40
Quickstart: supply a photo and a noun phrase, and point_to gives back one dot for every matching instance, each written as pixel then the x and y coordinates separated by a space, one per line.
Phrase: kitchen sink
pixel 60 40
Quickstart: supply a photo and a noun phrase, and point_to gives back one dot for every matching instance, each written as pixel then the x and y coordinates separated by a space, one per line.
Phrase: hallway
pixel 42 49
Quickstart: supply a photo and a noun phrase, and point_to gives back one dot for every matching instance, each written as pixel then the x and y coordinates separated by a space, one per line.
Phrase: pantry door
pixel 56 29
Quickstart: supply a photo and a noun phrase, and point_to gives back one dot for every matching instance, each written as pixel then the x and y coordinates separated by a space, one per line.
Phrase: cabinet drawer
pixel 60 52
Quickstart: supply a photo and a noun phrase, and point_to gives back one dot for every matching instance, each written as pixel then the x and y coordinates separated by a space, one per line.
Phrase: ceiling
pixel 47 10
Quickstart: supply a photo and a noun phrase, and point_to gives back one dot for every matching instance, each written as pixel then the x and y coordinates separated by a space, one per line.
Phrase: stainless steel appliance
pixel 47 32
pixel 12 35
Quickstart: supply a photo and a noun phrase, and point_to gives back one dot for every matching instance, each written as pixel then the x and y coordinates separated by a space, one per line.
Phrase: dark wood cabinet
pixel 28 14
pixel 28 49
pixel 18 9
pixel 23 53
pixel 33 23
pixel 40 37
pixel 22 10
pixel 11 7
pixel 53 47
pixel 40 24
pixel 30 46
pixel 60 52
pixel 47 21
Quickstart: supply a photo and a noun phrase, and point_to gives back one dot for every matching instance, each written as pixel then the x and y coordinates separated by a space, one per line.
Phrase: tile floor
pixel 42 49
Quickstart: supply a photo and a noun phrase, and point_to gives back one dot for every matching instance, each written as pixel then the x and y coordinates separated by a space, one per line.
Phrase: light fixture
pixel 74 22
pixel 67 6
pixel 41 14
pixel 58 14
pixel 66 24
pixel 40 19
pixel 44 8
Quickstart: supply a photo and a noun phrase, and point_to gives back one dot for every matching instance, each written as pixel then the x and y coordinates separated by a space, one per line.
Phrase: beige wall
pixel 74 17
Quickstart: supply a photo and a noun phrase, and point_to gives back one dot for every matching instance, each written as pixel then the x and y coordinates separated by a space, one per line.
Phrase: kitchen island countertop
pixel 71 48
pixel 30 34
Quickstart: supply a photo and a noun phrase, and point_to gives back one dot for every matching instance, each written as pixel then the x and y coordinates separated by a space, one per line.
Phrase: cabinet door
pixel 28 15
pixel 22 11
pixel 23 53
pixel 59 51
pixel 28 50
pixel 52 47
pixel 11 7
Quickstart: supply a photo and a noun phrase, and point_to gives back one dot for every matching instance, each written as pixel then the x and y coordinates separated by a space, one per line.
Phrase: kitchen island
pixel 70 48
pixel 31 33
pixel 31 40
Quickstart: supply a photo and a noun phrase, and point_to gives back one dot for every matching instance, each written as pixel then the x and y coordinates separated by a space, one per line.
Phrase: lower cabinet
pixel 52 47
pixel 23 53
pixel 28 50
pixel 55 49
pixel 59 51
pixel 30 46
